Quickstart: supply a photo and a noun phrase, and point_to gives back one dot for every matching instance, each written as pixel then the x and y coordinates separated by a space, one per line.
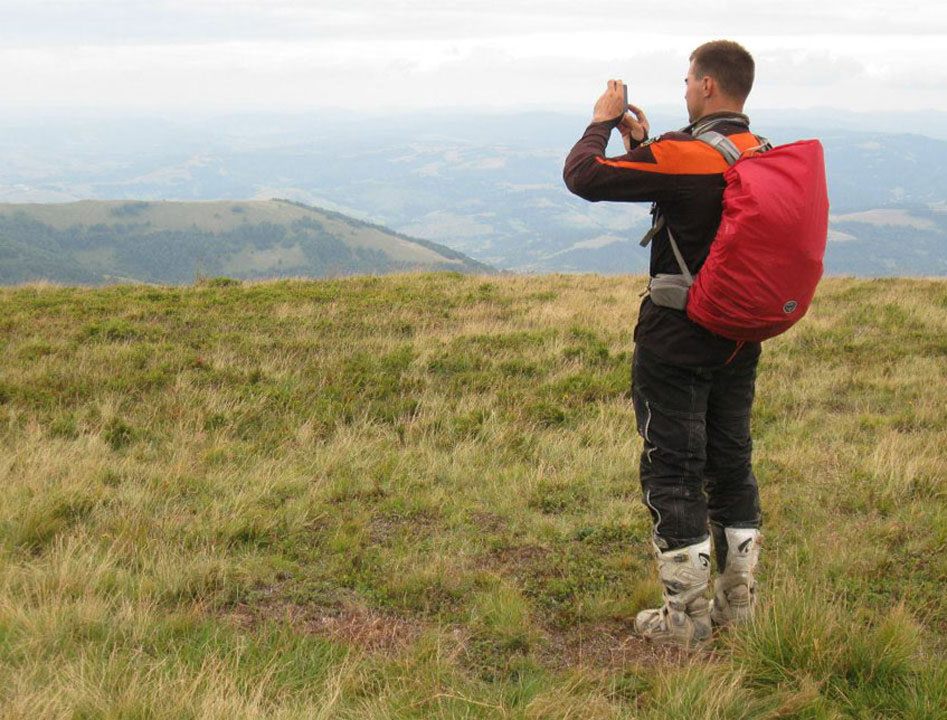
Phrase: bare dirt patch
pixel 386 528
pixel 488 522
pixel 517 558
pixel 610 645
pixel 350 623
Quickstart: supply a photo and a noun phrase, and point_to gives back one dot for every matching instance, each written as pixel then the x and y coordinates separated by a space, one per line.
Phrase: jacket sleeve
pixel 636 176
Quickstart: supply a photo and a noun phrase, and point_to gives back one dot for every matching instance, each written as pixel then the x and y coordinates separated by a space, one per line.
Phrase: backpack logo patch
pixel 790 306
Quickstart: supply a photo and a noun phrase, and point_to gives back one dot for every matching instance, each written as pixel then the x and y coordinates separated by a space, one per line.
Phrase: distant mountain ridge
pixel 488 185
pixel 98 241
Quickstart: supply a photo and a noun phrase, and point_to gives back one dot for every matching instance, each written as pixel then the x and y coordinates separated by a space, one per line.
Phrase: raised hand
pixel 612 102
pixel 634 125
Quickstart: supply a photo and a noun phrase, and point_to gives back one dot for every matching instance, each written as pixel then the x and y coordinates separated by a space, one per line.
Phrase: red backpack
pixel 766 258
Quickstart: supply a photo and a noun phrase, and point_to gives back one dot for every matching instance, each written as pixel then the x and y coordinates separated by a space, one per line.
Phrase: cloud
pixel 202 21
pixel 368 54
pixel 809 68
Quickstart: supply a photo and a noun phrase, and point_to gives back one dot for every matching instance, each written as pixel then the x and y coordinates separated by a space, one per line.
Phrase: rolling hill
pixel 96 242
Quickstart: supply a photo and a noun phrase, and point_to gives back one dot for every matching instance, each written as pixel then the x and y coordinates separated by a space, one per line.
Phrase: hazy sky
pixel 375 55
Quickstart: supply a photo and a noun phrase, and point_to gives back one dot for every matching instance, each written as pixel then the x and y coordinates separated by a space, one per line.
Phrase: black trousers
pixel 695 465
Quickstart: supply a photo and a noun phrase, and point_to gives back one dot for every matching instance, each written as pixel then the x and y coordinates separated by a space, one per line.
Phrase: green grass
pixel 416 496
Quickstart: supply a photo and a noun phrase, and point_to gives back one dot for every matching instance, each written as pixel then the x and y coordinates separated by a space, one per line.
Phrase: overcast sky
pixel 404 54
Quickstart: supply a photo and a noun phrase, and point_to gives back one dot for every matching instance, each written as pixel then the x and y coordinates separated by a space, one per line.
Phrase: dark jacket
pixel 684 176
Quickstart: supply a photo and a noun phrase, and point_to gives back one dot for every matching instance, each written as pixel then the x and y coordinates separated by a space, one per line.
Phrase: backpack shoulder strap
pixel 659 223
pixel 680 259
pixel 655 229
pixel 722 144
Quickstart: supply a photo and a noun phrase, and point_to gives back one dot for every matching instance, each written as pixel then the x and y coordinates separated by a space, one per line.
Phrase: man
pixel 692 390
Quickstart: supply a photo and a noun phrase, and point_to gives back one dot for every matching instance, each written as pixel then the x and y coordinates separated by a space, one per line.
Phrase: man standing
pixel 692 390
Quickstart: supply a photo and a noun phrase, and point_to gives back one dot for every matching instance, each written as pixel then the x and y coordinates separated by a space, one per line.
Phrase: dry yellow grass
pixel 417 496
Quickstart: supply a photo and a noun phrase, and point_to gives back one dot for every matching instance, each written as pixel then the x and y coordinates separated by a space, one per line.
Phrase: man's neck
pixel 736 115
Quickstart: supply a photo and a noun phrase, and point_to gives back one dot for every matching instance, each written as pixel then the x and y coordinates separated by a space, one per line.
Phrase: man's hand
pixel 634 125
pixel 612 102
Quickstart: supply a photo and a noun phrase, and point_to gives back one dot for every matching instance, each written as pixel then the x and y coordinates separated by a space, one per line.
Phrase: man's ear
pixel 708 85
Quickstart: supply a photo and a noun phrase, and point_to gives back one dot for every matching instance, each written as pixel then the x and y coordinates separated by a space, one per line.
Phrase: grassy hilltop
pixel 416 496
pixel 92 242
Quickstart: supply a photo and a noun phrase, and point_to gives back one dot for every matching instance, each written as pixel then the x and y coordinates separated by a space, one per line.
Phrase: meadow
pixel 416 496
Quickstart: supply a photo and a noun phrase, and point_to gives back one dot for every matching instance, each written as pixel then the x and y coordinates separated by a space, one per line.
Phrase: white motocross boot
pixel 738 552
pixel 684 619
